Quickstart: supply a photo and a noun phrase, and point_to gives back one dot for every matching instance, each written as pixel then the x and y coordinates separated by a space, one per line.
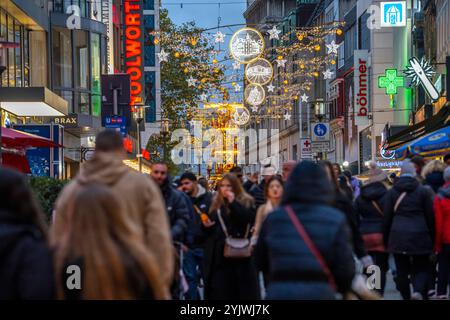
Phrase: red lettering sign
pixel 361 86
pixel 133 49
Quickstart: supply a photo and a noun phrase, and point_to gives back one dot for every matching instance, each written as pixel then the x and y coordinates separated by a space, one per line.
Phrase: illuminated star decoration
pixel 219 37
pixel 191 82
pixel 270 88
pixel 287 116
pixel 333 47
pixel 410 73
pixel 274 33
pixel 304 97
pixel 236 65
pixel 254 109
pixel 327 74
pixel 203 97
pixel 237 87
pixel 162 56
pixel 281 63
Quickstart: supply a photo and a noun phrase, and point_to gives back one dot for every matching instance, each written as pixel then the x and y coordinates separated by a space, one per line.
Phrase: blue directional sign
pixel 393 14
pixel 320 131
pixel 118 123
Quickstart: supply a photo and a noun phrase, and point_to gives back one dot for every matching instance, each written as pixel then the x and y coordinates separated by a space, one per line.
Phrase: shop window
pixel 81 59
pixel 82 103
pixel 96 89
pixel 62 58
pixel 18 54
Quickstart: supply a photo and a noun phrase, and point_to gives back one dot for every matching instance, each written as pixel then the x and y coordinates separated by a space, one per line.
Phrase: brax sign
pixel 70 121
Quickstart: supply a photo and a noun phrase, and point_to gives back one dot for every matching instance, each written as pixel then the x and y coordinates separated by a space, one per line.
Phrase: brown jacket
pixel 138 194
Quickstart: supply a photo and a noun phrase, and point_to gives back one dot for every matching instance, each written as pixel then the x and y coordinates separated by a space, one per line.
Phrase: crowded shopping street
pixel 205 152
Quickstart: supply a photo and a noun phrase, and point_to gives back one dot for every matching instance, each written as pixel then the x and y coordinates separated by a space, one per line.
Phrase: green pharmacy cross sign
pixel 391 81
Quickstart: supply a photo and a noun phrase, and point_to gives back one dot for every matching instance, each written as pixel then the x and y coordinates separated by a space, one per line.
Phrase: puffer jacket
pixel 292 270
pixel 410 229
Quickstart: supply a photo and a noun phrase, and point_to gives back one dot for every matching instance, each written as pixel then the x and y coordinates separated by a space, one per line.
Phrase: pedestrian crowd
pixel 311 232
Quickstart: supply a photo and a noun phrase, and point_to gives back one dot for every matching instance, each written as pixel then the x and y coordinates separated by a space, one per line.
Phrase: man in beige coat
pixel 141 199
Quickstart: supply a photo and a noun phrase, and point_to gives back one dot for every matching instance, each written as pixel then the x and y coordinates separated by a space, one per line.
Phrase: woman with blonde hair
pixel 112 258
pixel 433 174
pixel 229 269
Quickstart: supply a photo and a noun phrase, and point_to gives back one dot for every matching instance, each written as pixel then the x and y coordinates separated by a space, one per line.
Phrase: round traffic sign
pixel 320 130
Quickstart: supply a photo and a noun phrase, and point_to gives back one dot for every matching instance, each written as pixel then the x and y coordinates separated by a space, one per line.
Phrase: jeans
pixel 415 270
pixel 193 259
pixel 443 270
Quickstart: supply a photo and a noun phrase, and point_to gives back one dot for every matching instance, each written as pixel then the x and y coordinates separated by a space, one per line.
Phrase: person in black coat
pixel 369 210
pixel 409 232
pixel 281 253
pixel 433 174
pixel 26 266
pixel 176 204
pixel 229 278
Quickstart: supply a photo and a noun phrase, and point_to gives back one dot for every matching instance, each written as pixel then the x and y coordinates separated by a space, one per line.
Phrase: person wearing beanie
pixel 442 238
pixel 408 231
pixel 369 212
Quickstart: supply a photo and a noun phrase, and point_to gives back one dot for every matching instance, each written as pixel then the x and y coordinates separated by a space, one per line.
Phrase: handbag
pixel 312 247
pixel 374 241
pixel 236 248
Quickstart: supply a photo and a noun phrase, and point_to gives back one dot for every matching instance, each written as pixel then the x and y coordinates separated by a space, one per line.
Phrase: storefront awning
pixel 32 102
pixel 436 122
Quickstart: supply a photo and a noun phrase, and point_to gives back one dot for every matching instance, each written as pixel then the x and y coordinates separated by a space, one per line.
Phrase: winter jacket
pixel 442 216
pixel 282 254
pixel 202 200
pixel 229 278
pixel 178 211
pixel 344 204
pixel 257 192
pixel 139 196
pixel 409 230
pixel 369 219
pixel 435 180
pixel 26 267
pixel 248 185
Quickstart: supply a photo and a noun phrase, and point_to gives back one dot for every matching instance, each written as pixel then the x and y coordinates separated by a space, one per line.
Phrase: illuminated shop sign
pixel 361 84
pixel 420 72
pixel 133 49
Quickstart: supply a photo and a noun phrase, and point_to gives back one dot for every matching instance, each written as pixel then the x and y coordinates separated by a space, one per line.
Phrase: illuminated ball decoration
pixel 254 94
pixel 259 71
pixel 339 32
pixel 246 45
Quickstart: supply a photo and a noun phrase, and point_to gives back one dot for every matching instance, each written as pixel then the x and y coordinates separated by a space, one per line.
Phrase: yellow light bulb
pixel 338 32
pixel 285 90
pixel 194 41
pixel 285 82
pixel 300 37
pixel 216 70
pixel 302 66
pixel 316 74
pixel 177 54
pixel 186 70
pixel 295 97
pixel 317 47
pixel 156 41
pixel 280 57
pixel 233 84
pixel 333 61
pixel 214 61
pixel 203 80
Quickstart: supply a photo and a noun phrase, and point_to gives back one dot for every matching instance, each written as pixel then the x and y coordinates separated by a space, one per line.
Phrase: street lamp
pixel 164 132
pixel 319 109
pixel 139 114
pixel 345 164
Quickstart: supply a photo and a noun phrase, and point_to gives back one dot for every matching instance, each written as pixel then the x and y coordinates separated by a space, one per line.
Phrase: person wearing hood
pixel 433 174
pixel 200 202
pixel 26 267
pixel 140 197
pixel 408 230
pixel 442 237
pixel 354 183
pixel 369 212
pixel 313 264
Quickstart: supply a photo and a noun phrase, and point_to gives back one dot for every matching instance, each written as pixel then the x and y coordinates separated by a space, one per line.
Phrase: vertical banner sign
pixel 134 61
pixel 361 85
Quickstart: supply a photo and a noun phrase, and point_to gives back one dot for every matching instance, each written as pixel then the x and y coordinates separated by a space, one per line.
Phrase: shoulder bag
pixel 235 247
pixel 374 241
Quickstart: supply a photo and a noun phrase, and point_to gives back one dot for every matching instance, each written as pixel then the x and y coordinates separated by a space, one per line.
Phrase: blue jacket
pixel 291 269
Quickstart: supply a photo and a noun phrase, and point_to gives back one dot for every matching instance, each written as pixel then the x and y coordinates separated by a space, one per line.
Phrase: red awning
pixel 15 138
pixel 16 160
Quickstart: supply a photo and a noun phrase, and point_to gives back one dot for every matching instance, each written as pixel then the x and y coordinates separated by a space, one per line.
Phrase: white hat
pixel 268 171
